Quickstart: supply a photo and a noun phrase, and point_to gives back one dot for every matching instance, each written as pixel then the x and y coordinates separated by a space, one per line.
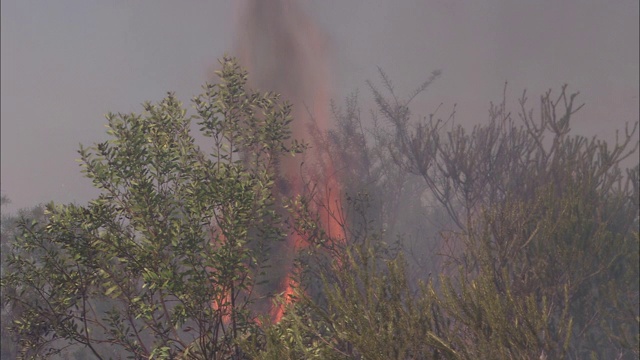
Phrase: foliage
pixel 547 267
pixel 537 259
pixel 543 215
pixel 174 244
pixel 370 313
pixel 10 230
pixel 377 199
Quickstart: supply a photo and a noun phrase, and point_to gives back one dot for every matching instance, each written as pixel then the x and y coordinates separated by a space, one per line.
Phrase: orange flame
pixel 284 51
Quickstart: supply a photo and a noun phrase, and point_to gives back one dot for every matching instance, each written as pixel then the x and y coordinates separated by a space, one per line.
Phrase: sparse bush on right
pixel 549 223
pixel 540 260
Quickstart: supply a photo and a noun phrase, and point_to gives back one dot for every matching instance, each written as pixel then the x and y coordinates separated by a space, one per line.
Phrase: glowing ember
pixel 285 52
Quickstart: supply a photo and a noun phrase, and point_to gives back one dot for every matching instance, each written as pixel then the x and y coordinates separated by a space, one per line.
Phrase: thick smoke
pixel 286 53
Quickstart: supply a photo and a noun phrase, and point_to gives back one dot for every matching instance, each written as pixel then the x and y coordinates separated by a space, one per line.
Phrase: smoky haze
pixel 284 51
pixel 66 63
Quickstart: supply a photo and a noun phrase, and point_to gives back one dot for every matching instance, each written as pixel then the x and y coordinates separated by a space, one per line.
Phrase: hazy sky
pixel 67 63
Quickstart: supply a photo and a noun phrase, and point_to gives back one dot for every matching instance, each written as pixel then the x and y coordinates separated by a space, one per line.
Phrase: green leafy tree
pixel 164 262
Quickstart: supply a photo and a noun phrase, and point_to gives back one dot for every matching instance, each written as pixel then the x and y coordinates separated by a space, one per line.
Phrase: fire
pixel 284 51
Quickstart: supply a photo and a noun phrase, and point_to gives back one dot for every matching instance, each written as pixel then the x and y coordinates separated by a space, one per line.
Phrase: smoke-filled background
pixel 67 63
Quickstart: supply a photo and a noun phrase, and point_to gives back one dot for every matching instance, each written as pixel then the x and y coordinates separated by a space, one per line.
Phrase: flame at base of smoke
pixel 284 51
